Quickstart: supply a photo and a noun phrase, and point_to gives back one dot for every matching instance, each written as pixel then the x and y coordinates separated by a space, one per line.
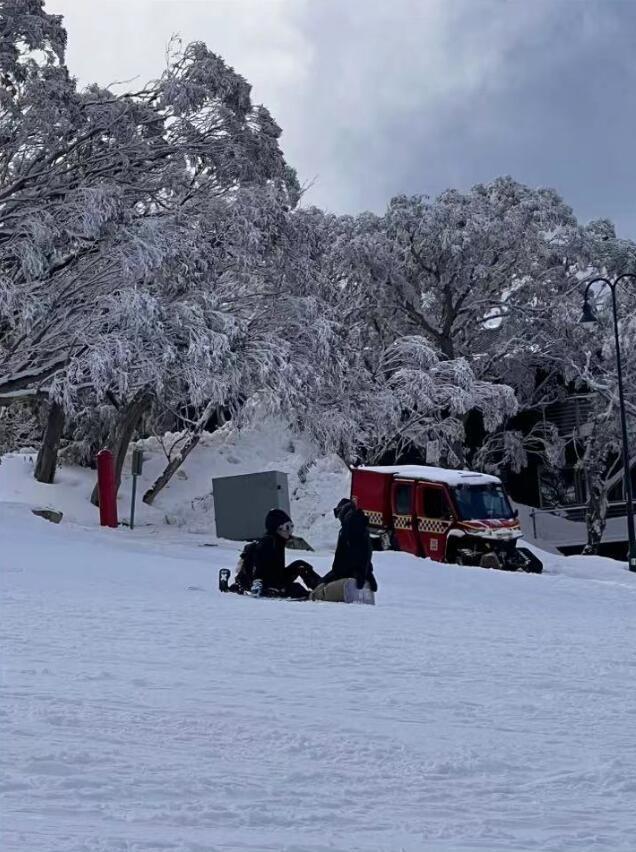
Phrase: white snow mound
pixel 187 501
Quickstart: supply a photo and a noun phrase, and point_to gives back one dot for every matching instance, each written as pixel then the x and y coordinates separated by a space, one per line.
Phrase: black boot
pixel 309 577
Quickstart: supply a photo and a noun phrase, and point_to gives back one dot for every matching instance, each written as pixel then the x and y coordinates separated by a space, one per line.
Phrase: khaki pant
pixel 342 591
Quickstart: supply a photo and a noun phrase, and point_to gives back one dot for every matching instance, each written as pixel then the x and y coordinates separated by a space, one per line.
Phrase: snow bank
pixel 187 501
pixel 70 494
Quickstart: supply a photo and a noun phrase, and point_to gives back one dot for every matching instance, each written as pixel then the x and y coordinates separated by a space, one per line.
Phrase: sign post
pixel 137 466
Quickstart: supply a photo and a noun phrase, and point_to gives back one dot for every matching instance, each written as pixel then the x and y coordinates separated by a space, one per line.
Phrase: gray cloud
pixel 377 97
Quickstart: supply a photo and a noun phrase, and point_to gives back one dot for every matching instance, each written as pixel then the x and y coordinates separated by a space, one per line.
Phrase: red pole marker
pixel 106 489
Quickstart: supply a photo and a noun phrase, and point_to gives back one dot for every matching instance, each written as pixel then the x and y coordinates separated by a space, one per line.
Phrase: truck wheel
pixel 490 560
pixel 454 556
pixel 530 563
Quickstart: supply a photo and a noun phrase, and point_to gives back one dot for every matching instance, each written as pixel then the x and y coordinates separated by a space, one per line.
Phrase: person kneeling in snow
pixel 352 559
pixel 270 576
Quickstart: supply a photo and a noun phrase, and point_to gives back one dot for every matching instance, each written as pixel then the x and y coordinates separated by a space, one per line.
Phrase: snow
pixel 438 474
pixel 186 503
pixel 141 710
pixel 468 710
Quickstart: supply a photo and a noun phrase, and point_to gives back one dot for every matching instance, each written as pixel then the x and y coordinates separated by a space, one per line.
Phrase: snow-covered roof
pixel 438 474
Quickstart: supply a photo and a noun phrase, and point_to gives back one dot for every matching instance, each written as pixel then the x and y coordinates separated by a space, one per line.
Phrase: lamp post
pixel 589 316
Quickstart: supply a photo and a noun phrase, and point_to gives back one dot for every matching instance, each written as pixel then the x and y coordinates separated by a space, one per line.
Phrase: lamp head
pixel 588 317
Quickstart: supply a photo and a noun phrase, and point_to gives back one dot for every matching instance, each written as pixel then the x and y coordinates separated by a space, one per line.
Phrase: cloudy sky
pixel 379 97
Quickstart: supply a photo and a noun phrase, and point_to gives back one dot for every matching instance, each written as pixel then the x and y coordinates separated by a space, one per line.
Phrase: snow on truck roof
pixel 437 474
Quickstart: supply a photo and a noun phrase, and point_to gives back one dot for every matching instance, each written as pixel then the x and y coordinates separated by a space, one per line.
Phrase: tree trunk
pixel 596 480
pixel 175 463
pixel 47 456
pixel 122 434
pixel 596 515
pixel 306 466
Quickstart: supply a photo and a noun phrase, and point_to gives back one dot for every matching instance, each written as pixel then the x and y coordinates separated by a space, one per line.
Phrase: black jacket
pixel 353 551
pixel 269 561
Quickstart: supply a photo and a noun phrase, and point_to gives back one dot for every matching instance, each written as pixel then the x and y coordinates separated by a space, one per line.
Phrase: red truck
pixel 448 515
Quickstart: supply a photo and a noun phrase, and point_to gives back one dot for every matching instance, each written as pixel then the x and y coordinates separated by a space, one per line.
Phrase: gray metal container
pixel 241 503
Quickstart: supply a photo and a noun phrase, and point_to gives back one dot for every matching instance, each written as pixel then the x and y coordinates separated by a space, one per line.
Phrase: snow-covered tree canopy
pixel 442 267
pixel 102 199
pixel 367 394
pixel 493 276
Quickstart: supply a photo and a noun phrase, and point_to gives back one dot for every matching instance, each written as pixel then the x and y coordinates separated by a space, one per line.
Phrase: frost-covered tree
pixel 442 267
pixel 557 356
pixel 371 392
pixel 455 269
pixel 494 276
pixel 102 200
pixel 242 252
pixel 594 369
pixel 19 427
pixel 403 397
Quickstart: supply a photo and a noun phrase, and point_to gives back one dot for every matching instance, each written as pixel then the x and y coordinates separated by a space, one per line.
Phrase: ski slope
pixel 469 710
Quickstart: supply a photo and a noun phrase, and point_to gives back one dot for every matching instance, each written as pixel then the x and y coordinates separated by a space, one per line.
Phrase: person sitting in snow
pixel 353 550
pixel 270 576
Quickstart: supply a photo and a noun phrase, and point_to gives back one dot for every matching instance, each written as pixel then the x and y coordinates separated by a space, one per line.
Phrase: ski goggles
pixel 287 528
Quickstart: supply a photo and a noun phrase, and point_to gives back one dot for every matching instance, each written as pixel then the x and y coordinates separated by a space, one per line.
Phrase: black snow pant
pixel 292 589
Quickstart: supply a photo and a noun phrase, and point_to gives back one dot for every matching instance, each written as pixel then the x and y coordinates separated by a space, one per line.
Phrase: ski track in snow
pixel 468 710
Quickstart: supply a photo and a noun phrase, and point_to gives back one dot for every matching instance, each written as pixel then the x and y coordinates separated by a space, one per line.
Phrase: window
pixel 435 503
pixel 479 502
pixel 403 499
pixel 617 494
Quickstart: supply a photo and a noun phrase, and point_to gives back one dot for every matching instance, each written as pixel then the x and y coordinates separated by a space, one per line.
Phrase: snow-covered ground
pixel 468 710
pixel 142 710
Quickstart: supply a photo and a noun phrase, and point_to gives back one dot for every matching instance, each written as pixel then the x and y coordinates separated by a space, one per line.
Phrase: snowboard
pixel 224 586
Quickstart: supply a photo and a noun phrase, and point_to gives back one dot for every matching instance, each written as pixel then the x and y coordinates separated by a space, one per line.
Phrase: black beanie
pixel 274 519
pixel 343 504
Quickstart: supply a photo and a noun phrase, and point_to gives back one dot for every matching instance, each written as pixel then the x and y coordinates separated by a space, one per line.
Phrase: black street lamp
pixel 589 316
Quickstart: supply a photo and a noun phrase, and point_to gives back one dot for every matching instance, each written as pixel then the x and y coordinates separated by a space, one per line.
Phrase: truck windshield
pixel 478 502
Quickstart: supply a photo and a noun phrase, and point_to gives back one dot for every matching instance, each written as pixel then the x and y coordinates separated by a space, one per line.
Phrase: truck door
pixel 403 508
pixel 434 519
